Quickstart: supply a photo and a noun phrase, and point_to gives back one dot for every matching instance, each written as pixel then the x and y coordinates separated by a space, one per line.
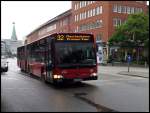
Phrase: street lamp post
pixel 129 60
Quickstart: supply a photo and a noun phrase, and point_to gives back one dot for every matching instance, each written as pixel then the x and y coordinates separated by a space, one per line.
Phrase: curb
pixel 131 74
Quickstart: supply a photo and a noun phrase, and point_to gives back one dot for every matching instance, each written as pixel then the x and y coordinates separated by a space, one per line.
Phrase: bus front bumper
pixel 76 79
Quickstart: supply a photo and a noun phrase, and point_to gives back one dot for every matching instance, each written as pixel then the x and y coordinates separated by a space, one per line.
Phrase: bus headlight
pixel 57 76
pixel 94 74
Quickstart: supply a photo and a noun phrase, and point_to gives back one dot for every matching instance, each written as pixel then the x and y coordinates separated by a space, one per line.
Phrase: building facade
pixel 61 23
pixel 99 18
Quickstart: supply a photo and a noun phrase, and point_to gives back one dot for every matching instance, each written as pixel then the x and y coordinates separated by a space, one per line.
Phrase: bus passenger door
pixel 48 61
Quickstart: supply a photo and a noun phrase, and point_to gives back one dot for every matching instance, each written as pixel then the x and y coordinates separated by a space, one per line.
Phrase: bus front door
pixel 48 63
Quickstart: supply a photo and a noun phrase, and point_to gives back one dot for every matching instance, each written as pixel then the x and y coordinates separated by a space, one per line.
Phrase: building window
pixel 80 4
pixel 65 21
pixel 123 9
pixel 60 23
pixel 128 10
pixel 119 9
pixel 51 27
pixel 140 1
pixel 76 29
pixel 91 12
pixel 90 2
pixel 119 21
pixel 88 13
pixel 89 26
pixel 99 23
pixel 85 14
pixel 80 17
pixel 115 8
pixel 101 9
pixel 97 11
pixel 137 10
pixel 94 12
pixel 84 3
pixel 116 21
pixel 132 10
pixel 141 10
pixel 99 37
pixel 77 6
pixel 77 17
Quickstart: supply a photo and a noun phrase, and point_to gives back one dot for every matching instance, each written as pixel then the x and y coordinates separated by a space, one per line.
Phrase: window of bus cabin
pixel 37 52
pixel 48 50
pixel 21 53
pixel 75 53
pixel 33 53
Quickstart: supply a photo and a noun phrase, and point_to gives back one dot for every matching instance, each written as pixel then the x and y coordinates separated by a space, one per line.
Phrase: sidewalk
pixel 123 70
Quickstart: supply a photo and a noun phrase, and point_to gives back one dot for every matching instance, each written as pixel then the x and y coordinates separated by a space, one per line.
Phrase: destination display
pixel 73 38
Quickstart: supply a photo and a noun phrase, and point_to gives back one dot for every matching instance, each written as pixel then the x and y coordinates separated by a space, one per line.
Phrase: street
pixel 21 92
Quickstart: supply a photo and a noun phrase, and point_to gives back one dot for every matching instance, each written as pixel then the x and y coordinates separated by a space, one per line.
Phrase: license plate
pixel 77 80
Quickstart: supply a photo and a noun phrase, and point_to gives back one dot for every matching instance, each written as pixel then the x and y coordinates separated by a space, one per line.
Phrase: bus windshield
pixel 70 54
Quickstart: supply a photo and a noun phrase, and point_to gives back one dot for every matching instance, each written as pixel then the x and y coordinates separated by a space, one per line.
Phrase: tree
pixel 133 33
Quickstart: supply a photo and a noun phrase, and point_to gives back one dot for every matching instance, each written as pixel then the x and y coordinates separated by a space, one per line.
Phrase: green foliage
pixel 135 31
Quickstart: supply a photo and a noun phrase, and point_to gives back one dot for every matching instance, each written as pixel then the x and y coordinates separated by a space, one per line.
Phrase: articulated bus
pixel 60 57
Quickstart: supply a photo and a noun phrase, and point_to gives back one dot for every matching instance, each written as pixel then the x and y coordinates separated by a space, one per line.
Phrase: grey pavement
pixel 112 92
pixel 123 70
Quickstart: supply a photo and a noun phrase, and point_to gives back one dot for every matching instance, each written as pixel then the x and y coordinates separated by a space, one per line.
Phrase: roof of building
pixel 66 13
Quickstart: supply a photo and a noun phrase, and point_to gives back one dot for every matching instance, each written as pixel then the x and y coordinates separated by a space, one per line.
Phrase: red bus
pixel 60 57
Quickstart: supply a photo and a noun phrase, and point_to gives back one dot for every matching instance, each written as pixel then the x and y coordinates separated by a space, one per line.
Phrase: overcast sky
pixel 28 15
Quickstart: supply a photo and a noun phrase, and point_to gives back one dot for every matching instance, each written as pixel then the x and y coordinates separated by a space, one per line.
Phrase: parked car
pixel 4 64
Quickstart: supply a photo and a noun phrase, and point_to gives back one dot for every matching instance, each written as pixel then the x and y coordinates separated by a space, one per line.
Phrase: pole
pixel 128 66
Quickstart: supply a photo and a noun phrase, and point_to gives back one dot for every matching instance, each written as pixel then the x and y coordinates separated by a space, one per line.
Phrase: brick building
pixel 97 17
pixel 101 17
pixel 60 23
